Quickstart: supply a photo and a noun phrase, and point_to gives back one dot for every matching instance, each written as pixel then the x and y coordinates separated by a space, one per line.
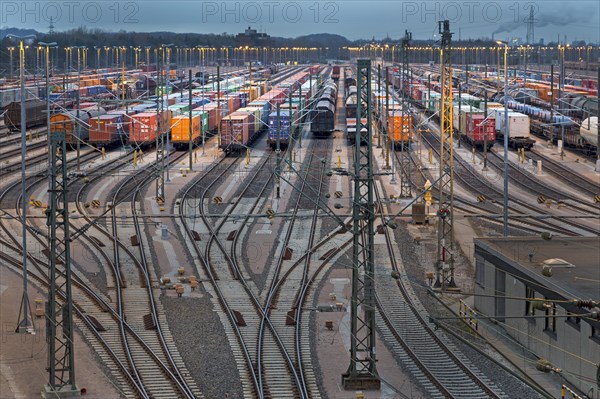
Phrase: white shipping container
pixel 589 130
pixel 518 123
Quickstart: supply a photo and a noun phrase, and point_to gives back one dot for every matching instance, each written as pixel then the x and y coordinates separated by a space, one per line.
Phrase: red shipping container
pixel 475 129
pixel 143 129
pixel 211 108
pixel 87 105
pixel 106 129
pixel 237 130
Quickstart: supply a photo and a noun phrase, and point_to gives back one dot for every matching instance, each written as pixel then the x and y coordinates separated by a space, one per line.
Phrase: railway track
pixel 14 152
pixel 524 179
pixel 283 382
pixel 14 137
pixel 493 196
pixel 584 185
pixel 272 372
pixel 95 313
pixel 109 342
pixel 288 291
pixel 192 195
pixel 430 356
pixel 479 186
pixel 151 353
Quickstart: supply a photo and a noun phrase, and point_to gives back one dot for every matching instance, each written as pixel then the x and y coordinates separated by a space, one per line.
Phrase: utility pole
pixel 362 371
pixel 218 104
pixel 167 127
pixel 78 124
pixel 160 180
pixel 278 152
pixel 59 309
pixel 190 122
pixel 379 104
pixel 551 103
pixel 445 259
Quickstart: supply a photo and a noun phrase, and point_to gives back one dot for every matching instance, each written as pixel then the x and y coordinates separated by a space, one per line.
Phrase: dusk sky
pixel 355 19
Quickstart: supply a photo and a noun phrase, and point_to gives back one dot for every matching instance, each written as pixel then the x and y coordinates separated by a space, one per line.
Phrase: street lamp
pixel 25 325
pixel 505 197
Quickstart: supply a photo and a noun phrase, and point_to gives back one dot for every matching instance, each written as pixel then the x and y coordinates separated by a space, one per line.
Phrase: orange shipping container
pixel 400 128
pixel 180 129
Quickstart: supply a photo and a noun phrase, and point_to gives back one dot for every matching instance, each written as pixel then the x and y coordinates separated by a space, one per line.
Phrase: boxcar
pixel 108 129
pixel 180 129
pixel 284 129
pixel 35 114
pixel 237 132
pixel 400 129
pixel 76 127
pixel 144 126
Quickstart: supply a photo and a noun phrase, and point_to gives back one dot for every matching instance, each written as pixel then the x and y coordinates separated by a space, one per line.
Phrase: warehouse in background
pixel 511 270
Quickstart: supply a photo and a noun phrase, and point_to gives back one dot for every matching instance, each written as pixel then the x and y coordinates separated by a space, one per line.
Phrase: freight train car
pixel 12 95
pixel 144 127
pixel 518 128
pixel 335 73
pixel 580 106
pixel 35 114
pixel 589 132
pixel 280 131
pixel 400 126
pixel 180 129
pixel 75 126
pixel 469 122
pixel 323 114
pixel 237 132
pixel 108 129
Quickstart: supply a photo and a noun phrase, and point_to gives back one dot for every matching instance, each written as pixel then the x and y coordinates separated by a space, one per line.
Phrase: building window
pixel 574 321
pixel 595 334
pixel 480 272
pixel 529 309
pixel 500 293
pixel 550 320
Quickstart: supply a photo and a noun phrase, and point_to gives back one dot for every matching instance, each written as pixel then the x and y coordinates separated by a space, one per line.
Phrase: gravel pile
pixel 201 341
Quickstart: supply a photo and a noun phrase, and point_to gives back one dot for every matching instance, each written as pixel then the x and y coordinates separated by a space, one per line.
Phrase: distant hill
pixel 17 31
pixel 326 39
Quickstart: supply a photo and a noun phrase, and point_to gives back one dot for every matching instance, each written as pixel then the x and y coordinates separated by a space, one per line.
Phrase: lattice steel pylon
pixel 362 372
pixel 405 160
pixel 445 258
pixel 59 309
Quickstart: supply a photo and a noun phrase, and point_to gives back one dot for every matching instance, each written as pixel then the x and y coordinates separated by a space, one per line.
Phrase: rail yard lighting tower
pixel 505 196
pixel 25 324
pixel 10 51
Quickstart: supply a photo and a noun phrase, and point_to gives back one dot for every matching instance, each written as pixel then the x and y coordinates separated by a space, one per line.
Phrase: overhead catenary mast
pixel 445 259
pixel 362 371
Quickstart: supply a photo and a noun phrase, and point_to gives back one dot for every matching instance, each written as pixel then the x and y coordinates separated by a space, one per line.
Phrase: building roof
pixel 579 282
